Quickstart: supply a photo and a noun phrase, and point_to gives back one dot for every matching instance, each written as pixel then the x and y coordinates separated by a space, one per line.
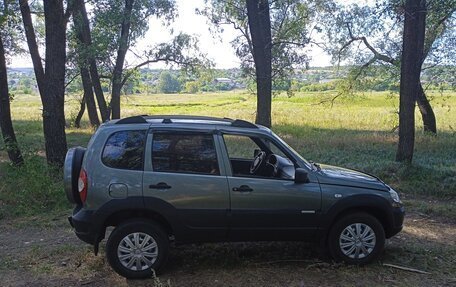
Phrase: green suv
pixel 185 179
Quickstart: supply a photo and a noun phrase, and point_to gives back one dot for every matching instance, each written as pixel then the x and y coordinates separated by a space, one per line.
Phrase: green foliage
pixel 191 87
pixel 168 83
pixel 330 86
pixel 10 27
pixel 108 19
pixel 369 38
pixel 290 21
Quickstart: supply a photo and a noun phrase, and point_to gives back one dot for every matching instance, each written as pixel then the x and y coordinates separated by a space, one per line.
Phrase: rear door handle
pixel 160 185
pixel 243 188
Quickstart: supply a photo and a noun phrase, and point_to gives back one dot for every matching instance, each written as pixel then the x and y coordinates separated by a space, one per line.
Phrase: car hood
pixel 335 175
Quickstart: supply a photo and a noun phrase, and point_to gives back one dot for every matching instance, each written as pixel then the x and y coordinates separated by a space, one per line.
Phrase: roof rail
pixel 167 119
pixel 243 124
pixel 132 120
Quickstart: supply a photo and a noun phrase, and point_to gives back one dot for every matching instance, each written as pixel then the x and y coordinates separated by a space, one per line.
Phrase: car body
pixel 203 179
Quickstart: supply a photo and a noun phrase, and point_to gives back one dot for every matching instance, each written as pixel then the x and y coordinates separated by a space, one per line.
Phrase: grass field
pixel 356 132
pixel 37 247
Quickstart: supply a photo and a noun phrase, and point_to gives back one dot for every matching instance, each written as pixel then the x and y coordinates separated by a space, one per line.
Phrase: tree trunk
pixel 427 114
pixel 82 107
pixel 412 54
pixel 89 98
pixel 102 106
pixel 51 80
pixel 82 23
pixel 6 124
pixel 83 41
pixel 260 31
pixel 54 96
pixel 121 52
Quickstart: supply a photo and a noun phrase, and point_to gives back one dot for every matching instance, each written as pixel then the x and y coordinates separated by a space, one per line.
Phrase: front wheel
pixel 136 248
pixel 357 238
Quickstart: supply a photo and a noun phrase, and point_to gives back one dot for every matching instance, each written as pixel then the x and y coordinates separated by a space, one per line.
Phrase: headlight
pixel 394 195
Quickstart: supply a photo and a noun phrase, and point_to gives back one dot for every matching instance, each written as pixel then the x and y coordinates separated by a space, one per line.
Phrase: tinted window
pixel 184 152
pixel 241 147
pixel 124 150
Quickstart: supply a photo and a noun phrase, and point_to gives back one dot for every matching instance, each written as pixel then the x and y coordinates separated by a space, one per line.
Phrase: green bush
pixel 191 87
pixel 31 189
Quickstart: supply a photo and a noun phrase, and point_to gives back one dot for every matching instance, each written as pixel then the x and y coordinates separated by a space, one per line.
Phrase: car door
pixel 265 208
pixel 183 176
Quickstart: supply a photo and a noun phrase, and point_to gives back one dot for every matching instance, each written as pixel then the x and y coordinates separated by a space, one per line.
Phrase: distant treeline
pixel 22 81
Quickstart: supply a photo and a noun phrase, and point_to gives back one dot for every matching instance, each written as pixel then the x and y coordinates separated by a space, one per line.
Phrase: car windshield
pixel 295 153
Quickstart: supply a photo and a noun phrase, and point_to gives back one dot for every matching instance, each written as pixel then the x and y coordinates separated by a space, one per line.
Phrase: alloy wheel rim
pixel 357 241
pixel 137 251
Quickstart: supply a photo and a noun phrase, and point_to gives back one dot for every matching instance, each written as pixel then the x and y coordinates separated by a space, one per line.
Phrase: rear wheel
pixel 357 238
pixel 136 247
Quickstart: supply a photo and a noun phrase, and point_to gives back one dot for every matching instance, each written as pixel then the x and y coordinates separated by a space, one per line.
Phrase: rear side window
pixel 125 150
pixel 184 153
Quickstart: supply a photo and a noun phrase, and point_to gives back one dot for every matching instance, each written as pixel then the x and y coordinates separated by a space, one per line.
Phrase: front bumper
pixel 397 222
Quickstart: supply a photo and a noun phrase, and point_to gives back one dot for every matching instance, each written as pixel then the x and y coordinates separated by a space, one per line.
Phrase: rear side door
pixel 267 208
pixel 183 178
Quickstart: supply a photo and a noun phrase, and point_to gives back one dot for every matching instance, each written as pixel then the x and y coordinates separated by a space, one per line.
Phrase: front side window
pixel 252 156
pixel 240 147
pixel 184 153
pixel 124 150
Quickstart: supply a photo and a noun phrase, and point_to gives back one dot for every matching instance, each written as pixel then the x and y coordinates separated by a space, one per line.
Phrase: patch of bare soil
pixel 53 256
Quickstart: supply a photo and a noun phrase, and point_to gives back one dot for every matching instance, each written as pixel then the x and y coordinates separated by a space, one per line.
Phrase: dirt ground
pixel 51 255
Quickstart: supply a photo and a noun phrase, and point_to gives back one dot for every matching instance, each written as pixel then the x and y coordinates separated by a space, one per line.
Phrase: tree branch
pixel 377 55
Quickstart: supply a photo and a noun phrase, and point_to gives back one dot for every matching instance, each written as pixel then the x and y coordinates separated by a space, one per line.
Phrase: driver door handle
pixel 243 188
pixel 160 185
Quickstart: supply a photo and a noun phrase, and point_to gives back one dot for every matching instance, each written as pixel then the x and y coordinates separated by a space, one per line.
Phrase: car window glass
pixel 184 152
pixel 124 149
pixel 241 147
pixel 274 149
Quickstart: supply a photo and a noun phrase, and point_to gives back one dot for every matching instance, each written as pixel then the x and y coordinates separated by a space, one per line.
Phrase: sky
pixel 217 47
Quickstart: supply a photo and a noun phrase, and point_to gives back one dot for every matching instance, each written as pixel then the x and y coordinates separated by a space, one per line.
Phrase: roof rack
pixel 168 119
pixel 243 124
pixel 132 120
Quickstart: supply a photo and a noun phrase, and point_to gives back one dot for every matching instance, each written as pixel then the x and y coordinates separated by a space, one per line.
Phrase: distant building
pixel 224 81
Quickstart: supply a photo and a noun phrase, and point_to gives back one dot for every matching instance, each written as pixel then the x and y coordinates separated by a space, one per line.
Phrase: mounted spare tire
pixel 71 170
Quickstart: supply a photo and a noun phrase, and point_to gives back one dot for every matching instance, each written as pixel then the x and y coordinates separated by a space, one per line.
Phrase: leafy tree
pixel 191 87
pixel 83 56
pixel 271 37
pixel 411 61
pixel 371 37
pixel 8 25
pixel 168 83
pixel 116 27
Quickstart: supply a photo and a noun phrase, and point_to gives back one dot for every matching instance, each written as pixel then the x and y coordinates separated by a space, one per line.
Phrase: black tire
pixel 334 238
pixel 72 168
pixel 137 226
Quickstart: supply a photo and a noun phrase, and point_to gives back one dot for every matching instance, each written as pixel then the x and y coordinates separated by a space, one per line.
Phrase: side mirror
pixel 301 176
pixel 256 152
